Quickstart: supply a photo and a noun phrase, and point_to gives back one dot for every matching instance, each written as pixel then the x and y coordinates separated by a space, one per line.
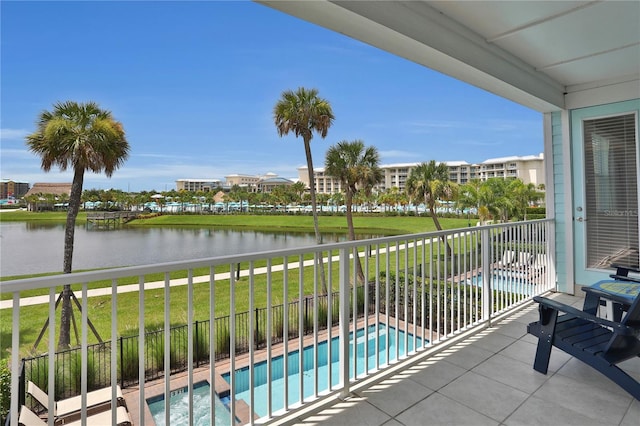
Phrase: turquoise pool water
pixel 261 386
pixel 507 281
pixel 179 405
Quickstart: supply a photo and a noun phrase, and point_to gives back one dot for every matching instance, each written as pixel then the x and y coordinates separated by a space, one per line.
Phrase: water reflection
pixel 30 247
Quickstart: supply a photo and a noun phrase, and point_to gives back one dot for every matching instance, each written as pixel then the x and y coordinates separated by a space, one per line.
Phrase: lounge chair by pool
pixel 65 407
pixel 29 418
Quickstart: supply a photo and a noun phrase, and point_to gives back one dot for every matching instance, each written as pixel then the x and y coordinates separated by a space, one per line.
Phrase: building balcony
pixel 439 321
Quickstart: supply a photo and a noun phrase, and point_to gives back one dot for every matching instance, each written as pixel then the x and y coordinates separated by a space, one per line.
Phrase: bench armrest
pixel 608 296
pixel 561 307
pixel 622 273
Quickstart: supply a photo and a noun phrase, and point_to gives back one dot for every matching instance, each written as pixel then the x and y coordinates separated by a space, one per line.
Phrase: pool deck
pixel 483 378
pixel 202 374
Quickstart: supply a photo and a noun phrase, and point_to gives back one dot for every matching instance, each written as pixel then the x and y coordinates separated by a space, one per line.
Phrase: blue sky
pixel 194 84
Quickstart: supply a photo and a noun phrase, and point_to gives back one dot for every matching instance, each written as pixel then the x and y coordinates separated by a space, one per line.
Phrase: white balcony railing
pixel 418 291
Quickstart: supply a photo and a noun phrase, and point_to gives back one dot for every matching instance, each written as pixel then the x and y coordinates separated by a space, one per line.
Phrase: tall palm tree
pixel 357 168
pixel 81 137
pixel 430 182
pixel 304 113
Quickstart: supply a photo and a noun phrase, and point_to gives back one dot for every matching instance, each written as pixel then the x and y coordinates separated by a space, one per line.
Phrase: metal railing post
pixel 22 384
pixel 343 342
pixel 486 275
pixel 121 363
pixel 197 345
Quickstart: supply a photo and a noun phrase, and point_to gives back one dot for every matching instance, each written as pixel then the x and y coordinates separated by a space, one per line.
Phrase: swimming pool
pixel 179 405
pixel 261 386
pixel 507 281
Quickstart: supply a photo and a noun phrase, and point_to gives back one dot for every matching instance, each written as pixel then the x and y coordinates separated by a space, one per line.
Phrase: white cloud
pixel 17 154
pixel 13 134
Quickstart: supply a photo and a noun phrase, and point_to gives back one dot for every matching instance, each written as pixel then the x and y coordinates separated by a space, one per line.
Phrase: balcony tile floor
pixel 488 379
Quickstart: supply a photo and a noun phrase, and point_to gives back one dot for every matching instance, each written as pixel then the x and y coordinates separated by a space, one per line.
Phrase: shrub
pixel 278 325
pixel 322 314
pixel 260 337
pixel 75 371
pixel 155 346
pixel 5 390
pixel 39 374
pixel 178 347
pixel 223 346
pixel 536 210
pixel 360 302
pixel 534 216
pixel 129 361
pixel 200 344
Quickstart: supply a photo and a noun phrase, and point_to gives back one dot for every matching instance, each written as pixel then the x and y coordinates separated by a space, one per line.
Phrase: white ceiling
pixel 533 52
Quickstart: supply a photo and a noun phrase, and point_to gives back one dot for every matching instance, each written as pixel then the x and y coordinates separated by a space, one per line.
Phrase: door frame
pixel 582 274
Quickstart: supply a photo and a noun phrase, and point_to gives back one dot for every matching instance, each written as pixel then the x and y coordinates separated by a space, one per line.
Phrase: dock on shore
pixel 110 219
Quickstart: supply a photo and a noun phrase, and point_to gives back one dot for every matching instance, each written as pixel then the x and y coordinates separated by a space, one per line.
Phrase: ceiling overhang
pixel 510 58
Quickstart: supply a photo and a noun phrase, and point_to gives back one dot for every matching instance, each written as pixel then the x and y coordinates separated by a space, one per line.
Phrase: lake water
pixel 27 248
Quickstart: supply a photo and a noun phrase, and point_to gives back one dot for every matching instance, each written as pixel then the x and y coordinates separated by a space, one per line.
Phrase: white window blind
pixel 611 180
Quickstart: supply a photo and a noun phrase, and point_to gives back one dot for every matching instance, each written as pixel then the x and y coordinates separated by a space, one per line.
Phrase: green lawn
pixel 25 216
pixel 374 224
pixel 369 224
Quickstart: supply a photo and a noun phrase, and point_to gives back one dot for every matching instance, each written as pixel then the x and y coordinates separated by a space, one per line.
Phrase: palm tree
pixel 523 196
pixel 430 182
pixel 297 191
pixel 495 194
pixel 469 197
pixel 323 199
pixel 303 112
pixel 79 136
pixel 357 168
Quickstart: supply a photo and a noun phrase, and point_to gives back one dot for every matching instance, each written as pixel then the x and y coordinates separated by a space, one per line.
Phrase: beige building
pixel 241 180
pixel 530 169
pixel 197 185
pixel 256 183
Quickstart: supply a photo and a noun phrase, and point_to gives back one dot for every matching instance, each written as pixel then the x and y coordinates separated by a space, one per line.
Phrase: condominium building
pixel 256 183
pixel 11 188
pixel 197 185
pixel 529 169
pixel 241 180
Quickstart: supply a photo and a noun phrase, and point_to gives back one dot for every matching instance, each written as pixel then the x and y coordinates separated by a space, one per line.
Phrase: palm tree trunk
pixel 352 235
pixel 312 190
pixel 439 228
pixel 314 213
pixel 64 339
